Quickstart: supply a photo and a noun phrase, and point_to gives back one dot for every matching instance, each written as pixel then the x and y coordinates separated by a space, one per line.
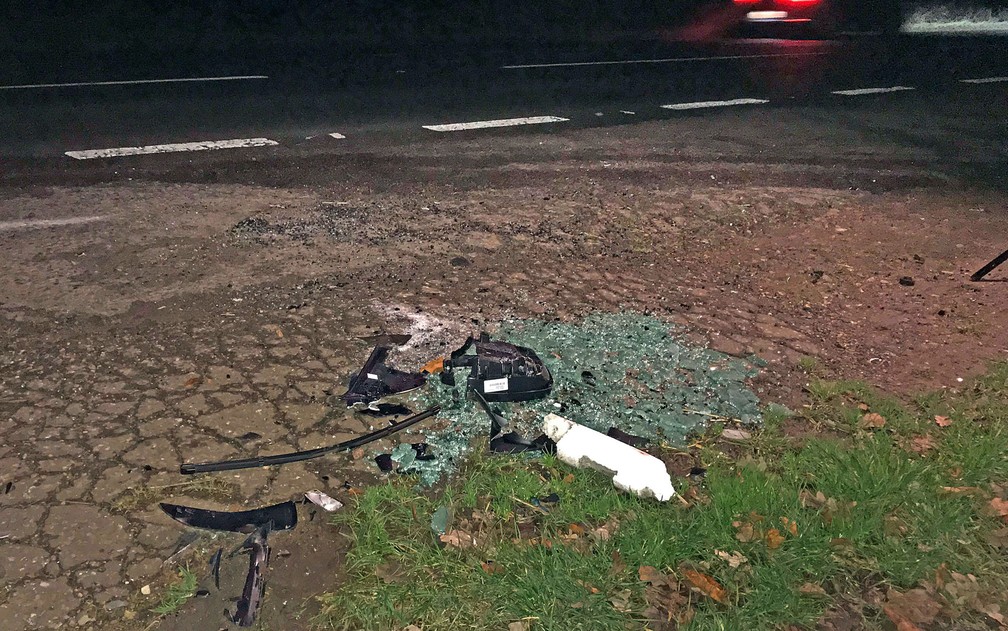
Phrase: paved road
pixel 290 98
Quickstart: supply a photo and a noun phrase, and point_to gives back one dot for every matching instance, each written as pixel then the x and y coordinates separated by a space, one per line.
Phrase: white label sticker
pixel 495 385
pixel 371 375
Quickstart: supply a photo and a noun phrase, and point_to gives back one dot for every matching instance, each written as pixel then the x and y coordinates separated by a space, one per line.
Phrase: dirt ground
pixel 202 319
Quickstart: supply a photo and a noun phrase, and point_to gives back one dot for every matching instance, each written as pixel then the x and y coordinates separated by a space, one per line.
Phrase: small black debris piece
pixel 629 439
pixel 423 451
pixel 816 275
pixel 282 516
pixel 386 409
pixel 250 436
pixel 215 561
pixel 988 268
pixel 588 378
pixel 460 261
pixel 8 487
pixel 385 462
pixel 906 281
pixel 376 380
pixel 546 502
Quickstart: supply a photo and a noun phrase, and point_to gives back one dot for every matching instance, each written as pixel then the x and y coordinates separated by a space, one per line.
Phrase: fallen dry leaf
pixel 519 625
pixel 808 500
pixel 998 538
pixel 576 529
pixel 605 531
pixel 993 611
pixel 649 574
pixel 812 589
pixel 942 421
pixel 706 585
pixel 458 539
pixel 790 526
pixel 621 601
pixel 872 420
pixel 279 333
pixel 568 479
pixel 491 567
pixel 192 381
pixel 921 445
pixel 746 532
pixel 774 539
pixel 734 559
pixel 1000 507
pixel 863 407
pixel 618 566
pixel 962 490
pixel 390 572
pixel 735 434
pixel 910 609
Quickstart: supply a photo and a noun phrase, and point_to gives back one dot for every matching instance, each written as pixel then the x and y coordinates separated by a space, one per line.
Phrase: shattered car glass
pixel 630 371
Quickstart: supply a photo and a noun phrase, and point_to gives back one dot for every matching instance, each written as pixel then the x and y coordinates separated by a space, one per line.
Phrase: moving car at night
pixel 784 18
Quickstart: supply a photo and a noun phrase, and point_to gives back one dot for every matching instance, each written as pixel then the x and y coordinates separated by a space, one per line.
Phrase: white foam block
pixel 631 469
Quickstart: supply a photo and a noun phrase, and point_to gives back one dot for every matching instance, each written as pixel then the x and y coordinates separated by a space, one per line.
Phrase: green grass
pixel 178 593
pixel 889 524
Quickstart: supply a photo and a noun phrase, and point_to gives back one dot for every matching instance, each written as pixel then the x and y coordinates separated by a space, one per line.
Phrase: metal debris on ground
pixel 323 501
pixel 628 371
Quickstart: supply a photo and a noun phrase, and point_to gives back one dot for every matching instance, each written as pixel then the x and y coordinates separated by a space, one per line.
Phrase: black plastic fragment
pixel 386 409
pixel 385 462
pixel 423 451
pixel 215 562
pixel 255 583
pixel 510 442
pixel 376 380
pixel 298 456
pixel 623 437
pixel 282 517
pixel 500 371
pixel 988 268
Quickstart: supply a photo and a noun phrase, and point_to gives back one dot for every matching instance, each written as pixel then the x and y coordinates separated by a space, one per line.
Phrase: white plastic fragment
pixel 632 469
pixel 321 499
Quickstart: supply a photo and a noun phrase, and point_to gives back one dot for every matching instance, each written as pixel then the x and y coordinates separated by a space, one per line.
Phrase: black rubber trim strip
pixel 282 516
pixel 298 456
pixel 988 268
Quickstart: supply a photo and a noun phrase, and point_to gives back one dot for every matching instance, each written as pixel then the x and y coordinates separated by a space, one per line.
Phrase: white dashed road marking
pixel 503 122
pixel 22 224
pixel 986 80
pixel 206 145
pixel 862 91
pixel 337 135
pixel 703 104
pixel 666 60
pixel 79 84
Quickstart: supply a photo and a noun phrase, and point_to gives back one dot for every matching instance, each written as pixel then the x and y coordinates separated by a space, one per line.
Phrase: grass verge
pixel 178 592
pixel 862 509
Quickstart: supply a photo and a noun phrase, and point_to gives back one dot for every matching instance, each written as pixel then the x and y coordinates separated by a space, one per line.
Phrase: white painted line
pixel 503 122
pixel 337 136
pixel 863 91
pixel 666 60
pixel 22 224
pixel 205 145
pixel 702 104
pixel 79 84
pixel 986 80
